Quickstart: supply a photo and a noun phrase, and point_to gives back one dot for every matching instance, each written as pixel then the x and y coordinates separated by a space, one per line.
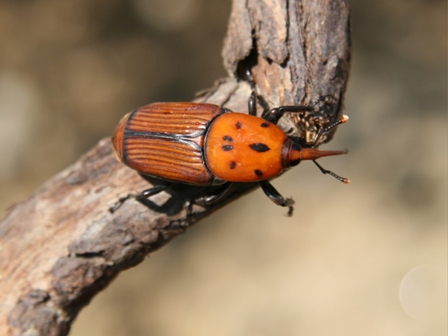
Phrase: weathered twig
pixel 61 246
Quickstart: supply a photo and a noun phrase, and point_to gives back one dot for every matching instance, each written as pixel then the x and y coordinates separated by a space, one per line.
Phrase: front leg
pixel 252 104
pixel 275 196
pixel 276 113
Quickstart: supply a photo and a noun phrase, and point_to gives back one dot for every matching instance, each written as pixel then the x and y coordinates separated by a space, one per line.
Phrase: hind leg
pixel 141 197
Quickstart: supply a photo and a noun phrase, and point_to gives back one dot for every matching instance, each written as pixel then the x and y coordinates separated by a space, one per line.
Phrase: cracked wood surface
pixel 61 246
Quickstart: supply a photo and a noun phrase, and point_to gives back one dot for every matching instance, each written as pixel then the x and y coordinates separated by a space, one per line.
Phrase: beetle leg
pixel 254 98
pixel 274 115
pixel 217 195
pixel 275 196
pixel 252 104
pixel 141 197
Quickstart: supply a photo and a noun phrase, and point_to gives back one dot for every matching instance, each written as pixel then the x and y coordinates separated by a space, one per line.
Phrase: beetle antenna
pixel 343 119
pixel 336 176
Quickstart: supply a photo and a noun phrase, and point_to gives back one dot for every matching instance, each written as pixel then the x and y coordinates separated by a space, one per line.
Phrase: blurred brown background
pixel 371 261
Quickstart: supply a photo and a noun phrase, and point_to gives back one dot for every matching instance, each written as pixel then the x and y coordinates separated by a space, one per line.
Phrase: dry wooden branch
pixel 61 246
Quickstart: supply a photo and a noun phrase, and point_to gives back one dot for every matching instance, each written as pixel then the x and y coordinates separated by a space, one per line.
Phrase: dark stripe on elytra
pixel 238 125
pixel 259 147
pixel 227 148
pixel 264 125
pixel 232 164
pixel 258 172
pixel 227 138
pixel 159 136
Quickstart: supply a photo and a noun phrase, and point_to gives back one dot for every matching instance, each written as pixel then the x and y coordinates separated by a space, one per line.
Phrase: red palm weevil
pixel 205 144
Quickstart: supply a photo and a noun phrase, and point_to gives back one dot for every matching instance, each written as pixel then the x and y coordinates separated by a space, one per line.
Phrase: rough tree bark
pixel 61 246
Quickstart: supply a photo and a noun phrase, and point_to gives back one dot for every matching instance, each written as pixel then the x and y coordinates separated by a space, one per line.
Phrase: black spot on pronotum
pixel 227 138
pixel 238 125
pixel 227 148
pixel 232 164
pixel 259 147
pixel 264 125
pixel 258 172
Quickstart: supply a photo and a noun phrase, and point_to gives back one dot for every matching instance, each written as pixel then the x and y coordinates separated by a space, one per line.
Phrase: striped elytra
pixel 165 140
